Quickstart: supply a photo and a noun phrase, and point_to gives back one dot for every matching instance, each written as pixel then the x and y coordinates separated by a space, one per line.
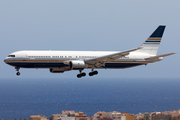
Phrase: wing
pixel 97 62
pixel 159 56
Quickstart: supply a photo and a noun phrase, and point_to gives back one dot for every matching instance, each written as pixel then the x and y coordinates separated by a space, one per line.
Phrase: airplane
pixel 61 61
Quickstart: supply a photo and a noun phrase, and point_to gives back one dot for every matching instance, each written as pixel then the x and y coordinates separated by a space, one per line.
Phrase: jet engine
pixel 70 65
pixel 76 65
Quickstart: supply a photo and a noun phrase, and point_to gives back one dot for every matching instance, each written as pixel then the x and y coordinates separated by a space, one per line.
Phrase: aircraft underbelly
pixel 121 65
pixel 56 65
pixel 37 65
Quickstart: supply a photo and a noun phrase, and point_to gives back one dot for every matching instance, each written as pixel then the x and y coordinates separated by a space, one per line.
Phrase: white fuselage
pixel 57 59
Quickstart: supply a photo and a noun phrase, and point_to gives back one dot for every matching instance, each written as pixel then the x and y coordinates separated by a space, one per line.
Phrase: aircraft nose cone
pixel 6 60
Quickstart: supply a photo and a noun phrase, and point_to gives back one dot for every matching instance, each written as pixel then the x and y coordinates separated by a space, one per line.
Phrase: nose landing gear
pixel 18 73
pixel 17 69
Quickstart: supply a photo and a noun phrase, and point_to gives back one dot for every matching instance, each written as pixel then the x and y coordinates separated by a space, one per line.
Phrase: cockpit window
pixel 11 55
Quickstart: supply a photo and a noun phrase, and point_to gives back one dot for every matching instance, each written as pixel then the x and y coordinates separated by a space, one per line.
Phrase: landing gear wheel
pixel 79 75
pixel 90 74
pixel 93 73
pixel 83 74
pixel 18 73
pixel 17 69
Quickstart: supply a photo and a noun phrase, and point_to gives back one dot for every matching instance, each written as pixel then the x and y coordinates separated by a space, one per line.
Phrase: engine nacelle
pixel 76 65
pixel 70 65
pixel 57 70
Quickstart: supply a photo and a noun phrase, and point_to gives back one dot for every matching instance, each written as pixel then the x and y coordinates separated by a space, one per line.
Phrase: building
pixel 146 116
pixel 56 117
pixel 38 117
pixel 81 116
pixel 152 115
pixel 67 118
pixel 115 115
pixel 172 113
pixel 105 118
pixel 175 118
pixel 163 117
pixel 97 115
pixel 105 115
pixel 68 113
pixel 140 116
pixel 127 116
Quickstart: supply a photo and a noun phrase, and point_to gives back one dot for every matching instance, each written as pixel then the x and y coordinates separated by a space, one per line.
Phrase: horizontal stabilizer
pixel 159 56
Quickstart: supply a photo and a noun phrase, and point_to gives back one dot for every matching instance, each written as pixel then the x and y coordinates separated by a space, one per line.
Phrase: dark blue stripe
pixel 152 41
pixel 158 32
pixel 55 65
pixel 37 65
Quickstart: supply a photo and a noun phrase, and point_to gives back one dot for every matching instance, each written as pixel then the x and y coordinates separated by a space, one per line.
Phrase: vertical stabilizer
pixel 151 45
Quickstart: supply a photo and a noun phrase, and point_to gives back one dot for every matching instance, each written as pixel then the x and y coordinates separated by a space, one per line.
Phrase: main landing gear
pixel 93 73
pixel 81 74
pixel 84 74
pixel 17 69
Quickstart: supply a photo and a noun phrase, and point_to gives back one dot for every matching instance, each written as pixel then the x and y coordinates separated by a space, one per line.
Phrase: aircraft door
pixel 24 56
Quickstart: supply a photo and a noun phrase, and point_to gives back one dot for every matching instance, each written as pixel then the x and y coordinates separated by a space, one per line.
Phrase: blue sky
pixel 102 25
